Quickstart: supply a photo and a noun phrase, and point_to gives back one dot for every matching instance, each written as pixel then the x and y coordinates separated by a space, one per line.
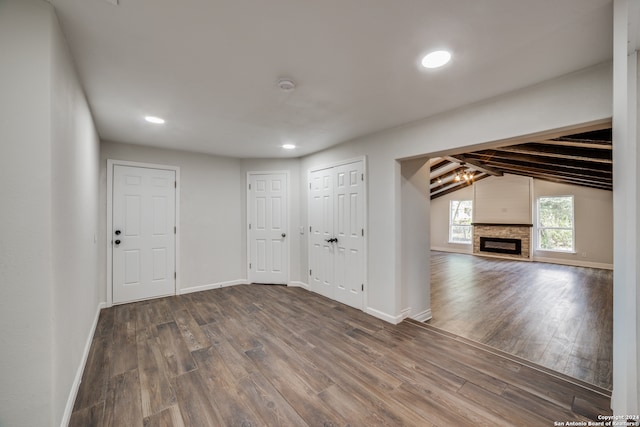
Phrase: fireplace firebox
pixel 500 245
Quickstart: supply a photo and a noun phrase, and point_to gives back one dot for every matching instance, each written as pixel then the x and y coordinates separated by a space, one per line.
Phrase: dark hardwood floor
pixel 270 355
pixel 557 316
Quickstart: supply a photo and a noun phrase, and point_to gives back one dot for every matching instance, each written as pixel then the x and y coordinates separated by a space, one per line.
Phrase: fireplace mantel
pixel 493 224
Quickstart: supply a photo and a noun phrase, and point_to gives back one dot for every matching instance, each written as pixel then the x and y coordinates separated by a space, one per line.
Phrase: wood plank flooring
pixel 276 356
pixel 557 316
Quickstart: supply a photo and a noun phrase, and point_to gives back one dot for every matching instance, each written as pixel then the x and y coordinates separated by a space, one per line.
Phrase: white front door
pixel 336 219
pixel 268 242
pixel 143 233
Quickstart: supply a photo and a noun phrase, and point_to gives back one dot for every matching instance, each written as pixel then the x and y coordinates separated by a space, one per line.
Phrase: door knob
pixel 284 235
pixel 118 232
pixel 117 242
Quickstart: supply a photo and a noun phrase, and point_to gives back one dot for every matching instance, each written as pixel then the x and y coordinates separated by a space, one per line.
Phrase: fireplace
pixel 500 245
pixel 502 240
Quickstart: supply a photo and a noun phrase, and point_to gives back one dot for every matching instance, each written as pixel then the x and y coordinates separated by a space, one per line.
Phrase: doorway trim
pixel 365 295
pixel 110 165
pixel 248 219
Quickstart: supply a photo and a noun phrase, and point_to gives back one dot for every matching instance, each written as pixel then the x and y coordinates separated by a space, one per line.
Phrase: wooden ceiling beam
pixel 473 164
pixel 552 168
pixel 597 145
pixel 538 151
pixel 449 175
pixel 438 165
pixel 493 156
pixel 596 183
pixel 451 189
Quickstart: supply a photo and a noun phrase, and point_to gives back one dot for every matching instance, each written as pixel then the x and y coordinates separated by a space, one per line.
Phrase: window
pixel 460 212
pixel 555 223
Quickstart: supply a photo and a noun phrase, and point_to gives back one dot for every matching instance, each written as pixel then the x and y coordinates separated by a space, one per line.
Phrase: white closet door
pixel 269 253
pixel 143 233
pixel 349 232
pixel 336 217
pixel 321 221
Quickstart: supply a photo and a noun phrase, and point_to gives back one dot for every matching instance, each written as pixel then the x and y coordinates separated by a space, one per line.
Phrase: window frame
pixel 451 224
pixel 540 228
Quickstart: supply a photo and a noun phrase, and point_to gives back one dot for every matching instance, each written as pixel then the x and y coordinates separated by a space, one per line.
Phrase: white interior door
pixel 336 219
pixel 349 234
pixel 268 243
pixel 143 240
pixel 321 217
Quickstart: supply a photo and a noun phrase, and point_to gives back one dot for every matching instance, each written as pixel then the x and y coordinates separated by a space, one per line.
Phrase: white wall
pixel 74 202
pixel 212 248
pixel 625 398
pixel 49 297
pixel 440 222
pixel 503 199
pixel 25 226
pixel 416 298
pixel 564 103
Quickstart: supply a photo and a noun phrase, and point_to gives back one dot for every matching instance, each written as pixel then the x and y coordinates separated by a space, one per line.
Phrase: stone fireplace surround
pixel 504 231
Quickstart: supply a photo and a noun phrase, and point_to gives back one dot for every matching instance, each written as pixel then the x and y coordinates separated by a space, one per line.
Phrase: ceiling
pixel 583 159
pixel 210 67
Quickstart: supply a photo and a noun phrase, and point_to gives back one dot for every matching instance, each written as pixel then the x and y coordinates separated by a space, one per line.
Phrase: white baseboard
pixel 452 250
pixel 75 386
pixel 575 263
pixel 211 286
pixel 423 316
pixel 296 284
pixel 387 317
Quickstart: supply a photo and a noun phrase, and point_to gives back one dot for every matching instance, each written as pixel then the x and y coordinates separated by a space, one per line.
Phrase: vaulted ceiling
pixel 210 67
pixel 583 159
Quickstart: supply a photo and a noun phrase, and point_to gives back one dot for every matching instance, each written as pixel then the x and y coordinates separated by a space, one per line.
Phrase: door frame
pixel 108 243
pixel 365 252
pixel 288 222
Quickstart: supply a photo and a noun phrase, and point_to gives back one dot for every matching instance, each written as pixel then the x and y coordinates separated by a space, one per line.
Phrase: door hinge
pixel 309 229
pixel 175 275
pixel 249 266
pixel 249 186
pixel 362 230
pixel 175 230
pixel 363 287
pixel 309 272
pixel 175 184
pixel 249 226
pixel 361 177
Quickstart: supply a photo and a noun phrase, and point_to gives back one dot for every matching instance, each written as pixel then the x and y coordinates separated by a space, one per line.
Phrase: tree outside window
pixel 555 224
pixel 460 214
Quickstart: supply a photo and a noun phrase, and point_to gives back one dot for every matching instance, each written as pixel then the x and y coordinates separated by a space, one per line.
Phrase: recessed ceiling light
pixel 286 85
pixel 288 146
pixel 154 120
pixel 436 59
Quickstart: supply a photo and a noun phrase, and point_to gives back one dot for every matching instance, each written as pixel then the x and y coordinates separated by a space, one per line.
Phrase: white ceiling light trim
pixel 436 59
pixel 286 84
pixel 288 146
pixel 155 120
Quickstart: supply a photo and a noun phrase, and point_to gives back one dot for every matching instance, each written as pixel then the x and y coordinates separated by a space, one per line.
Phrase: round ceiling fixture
pixel 286 85
pixel 155 120
pixel 436 59
pixel 288 146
